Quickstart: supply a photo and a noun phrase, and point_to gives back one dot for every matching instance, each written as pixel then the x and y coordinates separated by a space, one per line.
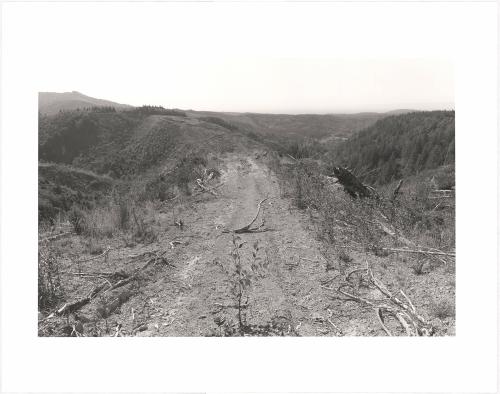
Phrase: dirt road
pixel 187 300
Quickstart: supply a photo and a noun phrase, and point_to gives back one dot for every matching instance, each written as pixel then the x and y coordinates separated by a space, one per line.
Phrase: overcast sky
pixel 290 85
pixel 281 58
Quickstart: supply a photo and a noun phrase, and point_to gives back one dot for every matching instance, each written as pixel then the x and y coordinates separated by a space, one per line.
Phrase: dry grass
pixel 341 218
pixel 115 220
pixel 49 278
pixel 351 228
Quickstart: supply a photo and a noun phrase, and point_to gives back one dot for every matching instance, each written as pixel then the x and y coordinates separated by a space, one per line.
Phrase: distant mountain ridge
pixel 50 103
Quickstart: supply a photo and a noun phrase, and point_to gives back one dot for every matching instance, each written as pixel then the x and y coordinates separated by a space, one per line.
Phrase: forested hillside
pixel 80 148
pixel 127 142
pixel 297 126
pixel 67 135
pixel 400 146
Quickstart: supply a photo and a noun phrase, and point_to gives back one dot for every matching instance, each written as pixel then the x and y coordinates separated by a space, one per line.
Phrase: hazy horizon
pixel 276 85
pixel 412 107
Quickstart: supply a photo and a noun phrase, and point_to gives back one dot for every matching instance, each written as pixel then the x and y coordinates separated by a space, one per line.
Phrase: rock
pixel 317 317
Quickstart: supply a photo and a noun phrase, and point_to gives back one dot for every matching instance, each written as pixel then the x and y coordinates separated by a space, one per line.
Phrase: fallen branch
pixel 403 313
pixel 328 281
pixel 122 282
pixel 55 237
pixel 404 323
pixel 347 277
pixel 104 254
pixel 247 228
pixel 95 274
pixel 381 321
pixel 106 285
pixel 204 188
pixel 75 305
pixel 173 243
pixel 438 253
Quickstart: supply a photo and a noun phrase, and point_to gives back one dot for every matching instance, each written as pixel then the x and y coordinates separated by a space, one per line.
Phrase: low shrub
pixel 418 267
pixel 49 279
pixel 443 309
pixel 344 257
pixel 77 218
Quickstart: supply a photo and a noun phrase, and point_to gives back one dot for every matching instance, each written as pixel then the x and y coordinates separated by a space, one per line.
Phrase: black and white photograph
pixel 240 188
pixel 160 221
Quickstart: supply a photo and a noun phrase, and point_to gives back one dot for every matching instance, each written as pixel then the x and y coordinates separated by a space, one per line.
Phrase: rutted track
pixel 184 301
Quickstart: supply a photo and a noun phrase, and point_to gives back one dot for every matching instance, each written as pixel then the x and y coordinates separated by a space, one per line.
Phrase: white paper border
pixel 465 32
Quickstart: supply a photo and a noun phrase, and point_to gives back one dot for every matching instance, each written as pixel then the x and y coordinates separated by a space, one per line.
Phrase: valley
pixel 155 223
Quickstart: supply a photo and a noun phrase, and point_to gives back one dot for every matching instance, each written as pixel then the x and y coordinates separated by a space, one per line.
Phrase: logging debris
pixel 119 278
pixel 404 312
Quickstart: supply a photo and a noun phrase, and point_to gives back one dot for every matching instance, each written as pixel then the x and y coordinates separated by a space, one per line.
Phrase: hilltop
pixel 50 103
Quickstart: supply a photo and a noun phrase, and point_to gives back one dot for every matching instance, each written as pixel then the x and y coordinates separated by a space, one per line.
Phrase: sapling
pixel 241 277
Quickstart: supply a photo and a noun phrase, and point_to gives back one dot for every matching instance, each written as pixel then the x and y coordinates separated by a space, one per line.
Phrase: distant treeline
pixel 96 108
pixel 399 146
pixel 144 110
pixel 157 110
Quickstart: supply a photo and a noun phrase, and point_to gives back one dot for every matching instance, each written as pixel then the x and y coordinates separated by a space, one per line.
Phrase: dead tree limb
pixel 247 228
pixel 348 276
pixel 437 253
pixel 381 321
pixel 75 305
pixel 404 324
pixel 405 313
pixel 205 188
pixel 55 237
pixel 68 308
pixel 103 254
